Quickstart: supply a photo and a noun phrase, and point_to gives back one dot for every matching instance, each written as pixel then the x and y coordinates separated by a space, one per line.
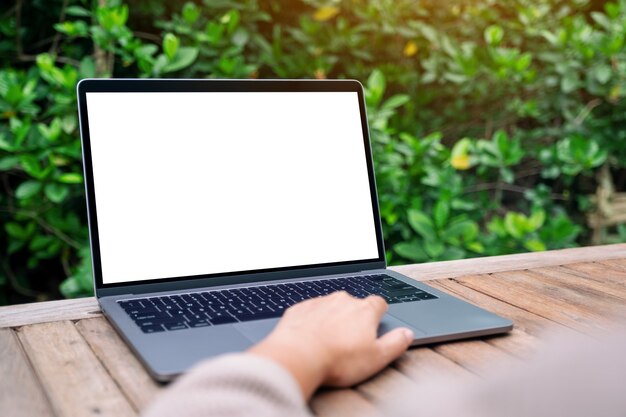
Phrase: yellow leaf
pixel 615 93
pixel 410 48
pixel 460 162
pixel 325 13
pixel 320 74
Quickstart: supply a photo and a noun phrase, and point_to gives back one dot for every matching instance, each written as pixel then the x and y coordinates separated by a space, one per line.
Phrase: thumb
pixel 393 344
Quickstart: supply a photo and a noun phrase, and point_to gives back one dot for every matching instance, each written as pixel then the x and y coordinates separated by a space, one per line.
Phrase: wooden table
pixel 62 358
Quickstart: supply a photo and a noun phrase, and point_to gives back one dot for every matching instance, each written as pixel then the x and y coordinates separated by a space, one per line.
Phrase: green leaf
pixel 191 12
pixel 80 283
pixel 15 230
pixel 452 253
pixel 56 192
pixel 185 57
pixel 537 219
pixel 40 242
pixel 411 251
pixel 421 224
pixel 170 45
pixel 434 248
pixel 27 189
pixel 396 101
pixel 515 224
pixel 231 20
pixel 535 245
pixel 441 212
pixel 8 162
pixel 71 178
pixel 77 11
pixel 51 132
pixel 476 247
pixel 466 229
pixel 87 68
pixel 569 82
pixel 214 32
pixel 602 73
pixel 375 87
pixel 494 34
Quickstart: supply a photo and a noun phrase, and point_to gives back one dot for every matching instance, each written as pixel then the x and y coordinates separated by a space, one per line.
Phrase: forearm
pixel 233 385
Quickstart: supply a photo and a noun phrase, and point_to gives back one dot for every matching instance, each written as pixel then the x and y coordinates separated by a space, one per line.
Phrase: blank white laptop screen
pixel 205 183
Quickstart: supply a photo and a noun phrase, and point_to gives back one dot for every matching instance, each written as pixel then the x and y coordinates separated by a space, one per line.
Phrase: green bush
pixel 490 119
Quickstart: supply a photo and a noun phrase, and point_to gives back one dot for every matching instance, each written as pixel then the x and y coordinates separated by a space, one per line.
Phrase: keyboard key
pixel 175 325
pixel 147 316
pixel 153 328
pixel 258 316
pixel 199 323
pixel 400 293
pixel 223 319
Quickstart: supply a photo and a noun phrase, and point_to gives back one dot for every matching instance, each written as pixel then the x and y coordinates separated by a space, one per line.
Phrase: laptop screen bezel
pixel 238 277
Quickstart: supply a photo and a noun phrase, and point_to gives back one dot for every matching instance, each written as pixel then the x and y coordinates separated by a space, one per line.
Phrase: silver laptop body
pixel 216 204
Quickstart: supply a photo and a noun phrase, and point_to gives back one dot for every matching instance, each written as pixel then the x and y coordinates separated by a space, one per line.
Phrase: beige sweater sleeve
pixel 232 385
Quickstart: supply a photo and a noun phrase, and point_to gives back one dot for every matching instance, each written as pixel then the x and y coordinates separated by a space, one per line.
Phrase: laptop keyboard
pixel 208 308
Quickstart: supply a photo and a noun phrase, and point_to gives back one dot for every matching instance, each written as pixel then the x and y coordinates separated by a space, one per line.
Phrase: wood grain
pixel 600 287
pixel 476 356
pixel 75 381
pixel 47 311
pixel 607 273
pixel 422 365
pixel 577 294
pixel 120 362
pixel 342 402
pixel 619 264
pixel 21 394
pixel 377 389
pixel 452 269
pixel 557 304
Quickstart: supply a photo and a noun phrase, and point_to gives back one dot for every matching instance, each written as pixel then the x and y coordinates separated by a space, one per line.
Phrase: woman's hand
pixel 332 341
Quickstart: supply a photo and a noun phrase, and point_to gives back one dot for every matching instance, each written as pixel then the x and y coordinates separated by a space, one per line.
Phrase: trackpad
pixel 255 331
pixel 389 323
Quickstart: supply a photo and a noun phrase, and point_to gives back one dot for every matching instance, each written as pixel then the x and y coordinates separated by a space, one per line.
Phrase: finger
pixel 393 344
pixel 378 305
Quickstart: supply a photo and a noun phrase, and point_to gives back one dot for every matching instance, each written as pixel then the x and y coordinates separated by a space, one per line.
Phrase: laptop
pixel 215 205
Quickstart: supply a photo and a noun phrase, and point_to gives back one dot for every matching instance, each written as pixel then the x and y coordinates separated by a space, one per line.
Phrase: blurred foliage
pixel 489 119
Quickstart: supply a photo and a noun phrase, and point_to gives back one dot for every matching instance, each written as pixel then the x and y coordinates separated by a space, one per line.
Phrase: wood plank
pixel 423 365
pixel 378 388
pixel 476 356
pixel 475 266
pixel 75 382
pixel 597 284
pixel 21 394
pixel 517 343
pixel 341 402
pixel 598 271
pixel 120 362
pixel 579 292
pixel 557 304
pixel 619 264
pixel 47 311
